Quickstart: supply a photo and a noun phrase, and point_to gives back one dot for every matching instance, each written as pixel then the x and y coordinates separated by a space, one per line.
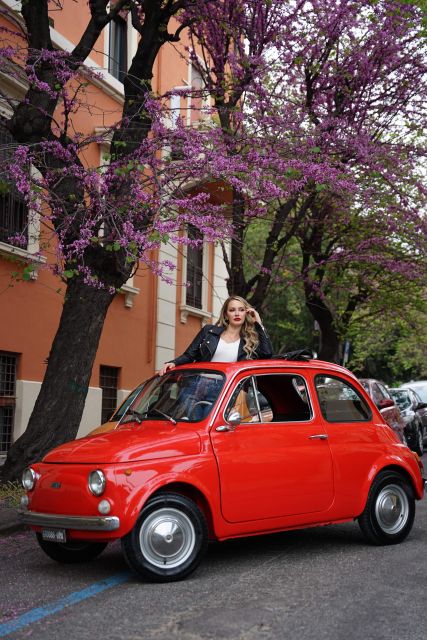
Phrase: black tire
pixel 419 440
pixel 71 552
pixel 168 540
pixel 390 509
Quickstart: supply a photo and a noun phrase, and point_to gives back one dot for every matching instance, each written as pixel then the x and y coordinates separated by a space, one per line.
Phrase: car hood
pixel 130 443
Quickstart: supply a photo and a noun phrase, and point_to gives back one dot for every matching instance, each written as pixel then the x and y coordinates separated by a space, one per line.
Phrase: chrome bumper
pixel 82 523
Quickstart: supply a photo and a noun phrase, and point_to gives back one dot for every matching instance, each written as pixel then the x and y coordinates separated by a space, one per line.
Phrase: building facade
pixel 150 321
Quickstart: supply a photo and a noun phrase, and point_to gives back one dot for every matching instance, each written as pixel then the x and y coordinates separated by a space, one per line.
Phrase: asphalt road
pixel 322 583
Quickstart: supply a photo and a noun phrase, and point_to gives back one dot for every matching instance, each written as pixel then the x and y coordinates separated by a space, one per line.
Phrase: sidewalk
pixel 9 521
pixel 8 517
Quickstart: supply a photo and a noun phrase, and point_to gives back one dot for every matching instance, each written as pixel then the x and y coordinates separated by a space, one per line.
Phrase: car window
pixel 415 397
pixel 243 400
pixel 271 398
pixel 384 391
pixel 377 394
pixel 402 398
pixel 339 401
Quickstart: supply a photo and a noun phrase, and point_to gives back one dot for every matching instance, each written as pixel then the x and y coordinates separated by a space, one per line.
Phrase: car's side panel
pixel 269 470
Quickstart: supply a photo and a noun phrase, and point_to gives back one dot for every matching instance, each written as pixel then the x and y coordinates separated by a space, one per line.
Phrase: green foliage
pixel 284 313
pixel 391 349
pixel 4 187
pixel 10 494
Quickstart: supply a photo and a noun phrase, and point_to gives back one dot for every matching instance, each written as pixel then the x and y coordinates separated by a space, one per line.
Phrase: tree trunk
pixel 329 349
pixel 236 282
pixel 63 393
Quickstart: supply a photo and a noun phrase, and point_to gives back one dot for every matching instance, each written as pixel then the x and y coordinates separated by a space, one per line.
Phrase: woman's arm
pixel 264 348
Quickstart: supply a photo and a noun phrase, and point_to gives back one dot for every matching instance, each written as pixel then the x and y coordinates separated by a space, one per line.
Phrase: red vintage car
pixel 213 451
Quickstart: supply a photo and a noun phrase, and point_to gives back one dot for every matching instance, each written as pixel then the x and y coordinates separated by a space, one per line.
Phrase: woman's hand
pixel 253 313
pixel 166 366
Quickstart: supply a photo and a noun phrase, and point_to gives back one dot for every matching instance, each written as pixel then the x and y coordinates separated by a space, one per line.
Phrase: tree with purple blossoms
pixel 105 220
pixel 340 131
pixel 317 127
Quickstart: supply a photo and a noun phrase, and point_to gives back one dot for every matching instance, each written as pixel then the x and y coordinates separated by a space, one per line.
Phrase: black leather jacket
pixel 205 343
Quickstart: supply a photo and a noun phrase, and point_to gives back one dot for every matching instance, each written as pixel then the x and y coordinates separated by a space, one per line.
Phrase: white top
pixel 226 351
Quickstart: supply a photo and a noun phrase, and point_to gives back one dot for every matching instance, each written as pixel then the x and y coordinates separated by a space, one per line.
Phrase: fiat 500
pixel 218 451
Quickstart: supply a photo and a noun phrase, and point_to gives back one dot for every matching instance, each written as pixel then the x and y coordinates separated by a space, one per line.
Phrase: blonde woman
pixel 238 335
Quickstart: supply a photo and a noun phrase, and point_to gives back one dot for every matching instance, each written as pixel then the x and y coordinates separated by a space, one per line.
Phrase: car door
pixel 277 462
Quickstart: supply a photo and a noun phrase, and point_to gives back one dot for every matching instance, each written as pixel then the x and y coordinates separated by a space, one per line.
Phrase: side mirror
pixel 421 405
pixel 386 403
pixel 234 418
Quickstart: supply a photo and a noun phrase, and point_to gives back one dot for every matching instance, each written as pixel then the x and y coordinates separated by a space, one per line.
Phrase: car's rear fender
pixel 412 476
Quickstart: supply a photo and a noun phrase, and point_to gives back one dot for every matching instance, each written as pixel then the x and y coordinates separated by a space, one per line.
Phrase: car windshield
pixel 402 398
pixel 178 396
pixel 124 406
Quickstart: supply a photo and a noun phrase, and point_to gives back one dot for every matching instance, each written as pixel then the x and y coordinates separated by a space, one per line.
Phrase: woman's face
pixel 236 313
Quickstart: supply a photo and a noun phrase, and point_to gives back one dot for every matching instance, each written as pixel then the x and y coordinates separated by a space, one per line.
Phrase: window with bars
pixel 13 209
pixel 8 363
pixel 108 381
pixel 194 269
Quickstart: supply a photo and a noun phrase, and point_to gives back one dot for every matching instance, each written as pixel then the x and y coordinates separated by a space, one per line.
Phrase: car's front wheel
pixel 390 509
pixel 71 552
pixel 168 540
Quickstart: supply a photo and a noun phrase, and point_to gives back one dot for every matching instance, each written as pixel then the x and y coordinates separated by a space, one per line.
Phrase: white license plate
pixel 54 535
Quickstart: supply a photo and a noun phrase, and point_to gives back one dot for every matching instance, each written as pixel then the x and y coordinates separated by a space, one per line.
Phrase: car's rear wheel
pixel 71 552
pixel 168 540
pixel 390 509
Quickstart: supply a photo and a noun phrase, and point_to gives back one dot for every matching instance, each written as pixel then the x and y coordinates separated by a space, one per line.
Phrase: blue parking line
pixel 42 612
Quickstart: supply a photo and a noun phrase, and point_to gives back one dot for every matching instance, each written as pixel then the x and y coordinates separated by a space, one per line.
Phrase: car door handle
pixel 319 436
pixel 224 427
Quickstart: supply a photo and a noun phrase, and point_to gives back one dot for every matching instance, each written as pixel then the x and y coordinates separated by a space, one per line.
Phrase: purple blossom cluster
pixel 315 121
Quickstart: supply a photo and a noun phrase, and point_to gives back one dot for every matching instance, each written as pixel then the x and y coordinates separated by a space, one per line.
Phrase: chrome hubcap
pixel 392 509
pixel 167 537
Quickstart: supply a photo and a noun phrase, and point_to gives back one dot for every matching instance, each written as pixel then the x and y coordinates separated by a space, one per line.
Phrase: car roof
pixel 273 363
pixel 415 383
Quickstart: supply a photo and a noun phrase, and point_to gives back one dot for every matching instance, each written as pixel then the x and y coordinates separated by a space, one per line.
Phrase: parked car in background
pixel 411 408
pixel 386 405
pixel 118 413
pixel 420 388
pixel 200 455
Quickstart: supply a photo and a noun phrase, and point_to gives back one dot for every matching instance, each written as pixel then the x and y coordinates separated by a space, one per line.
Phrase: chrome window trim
pixel 254 374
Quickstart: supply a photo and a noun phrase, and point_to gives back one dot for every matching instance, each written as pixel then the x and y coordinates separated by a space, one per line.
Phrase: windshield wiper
pixel 165 415
pixel 135 414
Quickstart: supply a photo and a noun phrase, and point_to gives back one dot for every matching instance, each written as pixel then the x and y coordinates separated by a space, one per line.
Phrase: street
pixel 322 583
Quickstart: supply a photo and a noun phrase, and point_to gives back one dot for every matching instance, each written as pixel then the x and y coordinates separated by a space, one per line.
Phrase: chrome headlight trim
pixel 96 482
pixel 29 478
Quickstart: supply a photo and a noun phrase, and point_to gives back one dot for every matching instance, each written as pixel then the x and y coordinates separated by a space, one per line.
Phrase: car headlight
pixel 96 482
pixel 28 479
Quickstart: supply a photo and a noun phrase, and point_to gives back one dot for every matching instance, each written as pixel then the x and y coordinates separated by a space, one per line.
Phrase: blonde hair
pixel 248 331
